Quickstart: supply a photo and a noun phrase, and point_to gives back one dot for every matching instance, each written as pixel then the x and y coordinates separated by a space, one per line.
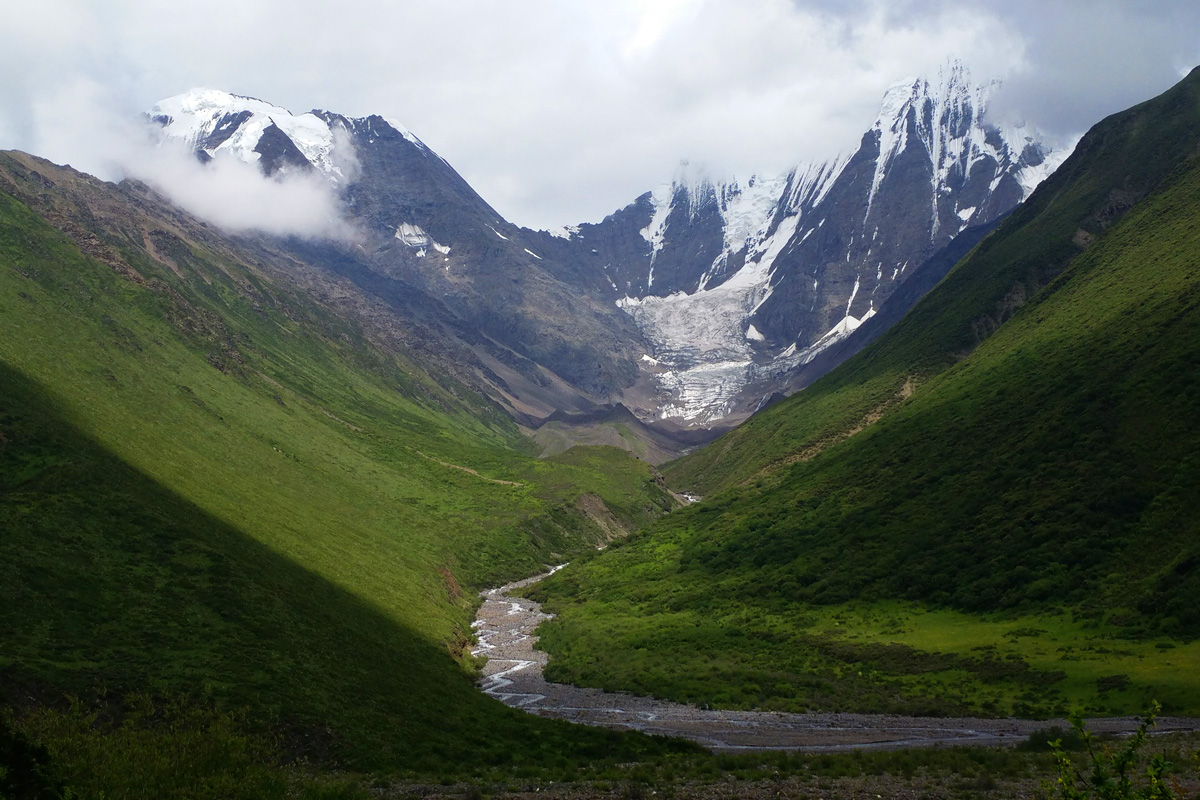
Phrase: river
pixel 504 627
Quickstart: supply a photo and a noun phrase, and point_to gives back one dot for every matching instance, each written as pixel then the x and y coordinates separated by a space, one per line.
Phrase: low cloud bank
pixel 237 197
pixel 561 111
pixel 81 126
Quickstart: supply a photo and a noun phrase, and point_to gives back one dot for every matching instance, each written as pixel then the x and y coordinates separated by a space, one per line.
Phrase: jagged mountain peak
pixel 948 116
pixel 737 281
pixel 952 83
pixel 213 121
pixel 427 243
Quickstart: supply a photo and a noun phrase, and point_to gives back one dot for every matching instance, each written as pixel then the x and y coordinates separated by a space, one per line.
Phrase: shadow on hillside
pixel 114 584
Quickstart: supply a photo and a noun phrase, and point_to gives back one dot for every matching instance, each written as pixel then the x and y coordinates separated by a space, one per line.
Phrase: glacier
pixel 708 348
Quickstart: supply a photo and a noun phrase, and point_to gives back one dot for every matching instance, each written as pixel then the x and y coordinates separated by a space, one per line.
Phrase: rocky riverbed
pixel 504 627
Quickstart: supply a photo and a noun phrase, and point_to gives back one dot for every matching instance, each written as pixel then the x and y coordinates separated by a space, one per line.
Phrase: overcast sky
pixel 561 111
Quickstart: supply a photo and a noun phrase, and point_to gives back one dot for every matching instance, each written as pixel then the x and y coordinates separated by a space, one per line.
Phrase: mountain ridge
pixel 738 283
pixel 1007 461
pixel 686 306
pixel 422 224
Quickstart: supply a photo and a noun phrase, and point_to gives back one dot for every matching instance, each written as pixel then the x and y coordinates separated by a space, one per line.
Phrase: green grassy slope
pixel 211 485
pixel 1017 535
pixel 1122 159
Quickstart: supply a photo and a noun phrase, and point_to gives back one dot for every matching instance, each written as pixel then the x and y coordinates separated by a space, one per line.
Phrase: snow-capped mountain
pixel 431 247
pixel 213 122
pixel 693 304
pixel 736 282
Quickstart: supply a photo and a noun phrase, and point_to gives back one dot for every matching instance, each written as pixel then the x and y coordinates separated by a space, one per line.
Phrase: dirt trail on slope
pixel 504 627
pixel 823 444
pixel 467 470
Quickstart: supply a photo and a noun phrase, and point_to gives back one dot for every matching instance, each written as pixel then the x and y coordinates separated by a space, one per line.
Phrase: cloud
pixel 1095 58
pixel 79 124
pixel 560 111
pixel 235 196
pixel 756 86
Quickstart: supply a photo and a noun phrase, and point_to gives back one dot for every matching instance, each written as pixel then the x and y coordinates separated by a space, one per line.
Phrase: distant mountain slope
pixel 1120 161
pixel 1025 440
pixel 922 279
pixel 692 305
pixel 737 283
pixel 478 294
pixel 226 487
pixel 427 230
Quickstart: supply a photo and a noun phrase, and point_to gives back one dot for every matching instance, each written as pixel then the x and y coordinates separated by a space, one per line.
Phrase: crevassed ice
pixel 702 337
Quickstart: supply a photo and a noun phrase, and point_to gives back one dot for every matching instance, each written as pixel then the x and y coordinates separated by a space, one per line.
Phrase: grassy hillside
pixel 992 509
pixel 1120 161
pixel 213 487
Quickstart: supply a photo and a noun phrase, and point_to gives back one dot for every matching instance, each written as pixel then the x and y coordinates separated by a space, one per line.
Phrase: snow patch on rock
pixel 415 236
pixel 564 231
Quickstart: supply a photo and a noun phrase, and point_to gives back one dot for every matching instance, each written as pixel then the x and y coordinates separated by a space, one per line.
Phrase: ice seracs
pixel 703 338
pixel 817 249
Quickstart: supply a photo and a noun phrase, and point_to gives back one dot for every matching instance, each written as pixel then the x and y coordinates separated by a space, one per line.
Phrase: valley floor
pixel 505 624
pixel 844 788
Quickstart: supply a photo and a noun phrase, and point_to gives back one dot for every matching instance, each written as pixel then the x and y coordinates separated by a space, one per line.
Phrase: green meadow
pixel 882 656
pixel 991 510
pixel 216 491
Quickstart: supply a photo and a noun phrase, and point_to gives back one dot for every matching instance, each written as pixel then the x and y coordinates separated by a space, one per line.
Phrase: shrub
pixel 25 767
pixel 1110 775
pixel 1045 740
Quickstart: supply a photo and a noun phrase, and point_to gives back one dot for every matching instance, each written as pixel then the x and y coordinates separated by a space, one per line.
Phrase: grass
pixel 168 749
pixel 173 751
pixel 1120 161
pixel 213 487
pixel 1039 477
pixel 884 656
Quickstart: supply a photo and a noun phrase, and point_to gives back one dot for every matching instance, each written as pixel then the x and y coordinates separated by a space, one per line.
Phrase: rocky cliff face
pixel 736 283
pixel 691 305
pixel 426 232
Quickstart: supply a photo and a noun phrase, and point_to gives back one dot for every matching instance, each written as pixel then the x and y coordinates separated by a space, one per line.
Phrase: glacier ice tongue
pixel 702 337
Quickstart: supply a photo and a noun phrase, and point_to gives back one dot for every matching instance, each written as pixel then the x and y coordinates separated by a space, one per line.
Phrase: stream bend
pixel 504 628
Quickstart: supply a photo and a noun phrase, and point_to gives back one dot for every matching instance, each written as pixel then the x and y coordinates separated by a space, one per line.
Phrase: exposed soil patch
pixel 594 508
pixel 505 624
